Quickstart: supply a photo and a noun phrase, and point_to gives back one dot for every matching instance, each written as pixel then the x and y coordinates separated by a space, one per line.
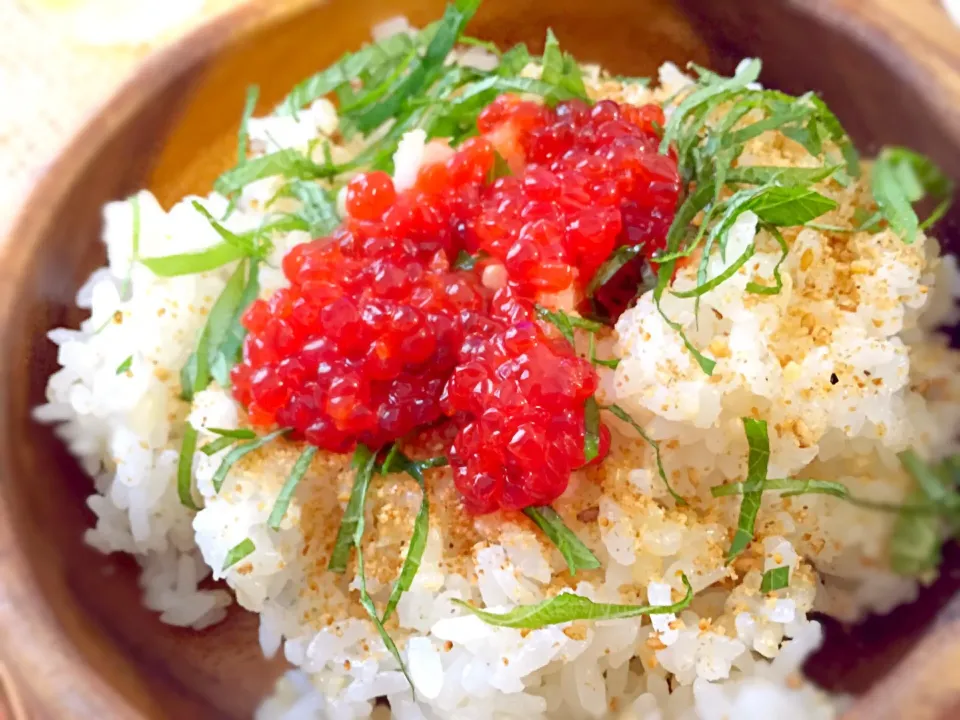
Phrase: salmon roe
pixel 378 335
pixel 593 180
pixel 518 397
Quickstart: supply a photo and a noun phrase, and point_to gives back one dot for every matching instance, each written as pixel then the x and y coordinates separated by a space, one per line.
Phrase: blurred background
pixel 59 59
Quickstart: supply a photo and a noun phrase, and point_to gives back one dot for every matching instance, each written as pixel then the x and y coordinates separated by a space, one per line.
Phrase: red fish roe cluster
pixel 360 346
pixel 518 396
pixel 592 179
pixel 377 336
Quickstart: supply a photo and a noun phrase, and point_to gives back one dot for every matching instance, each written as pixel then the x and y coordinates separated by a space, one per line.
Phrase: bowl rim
pixel 51 670
pixel 44 671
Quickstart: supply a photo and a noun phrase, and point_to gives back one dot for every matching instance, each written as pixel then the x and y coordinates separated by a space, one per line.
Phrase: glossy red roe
pixel 377 336
pixel 588 180
pixel 370 195
pixel 518 397
pixel 360 346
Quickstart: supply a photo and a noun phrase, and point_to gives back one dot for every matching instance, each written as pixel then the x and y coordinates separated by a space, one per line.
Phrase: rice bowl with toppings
pixel 502 387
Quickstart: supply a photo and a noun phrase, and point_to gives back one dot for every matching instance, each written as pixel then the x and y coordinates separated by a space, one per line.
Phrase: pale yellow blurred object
pixel 116 22
pixel 60 60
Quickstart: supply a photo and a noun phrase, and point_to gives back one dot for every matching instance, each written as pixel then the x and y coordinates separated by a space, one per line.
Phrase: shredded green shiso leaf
pixel 577 555
pixel 568 607
pixel 350 536
pixel 625 416
pixel 591 434
pixel 757 461
pixel 238 552
pixel 396 461
pixel 775 579
pixel 929 517
pixel 239 451
pixel 899 178
pixel 188 446
pixel 299 469
pixel 222 336
pixel 708 147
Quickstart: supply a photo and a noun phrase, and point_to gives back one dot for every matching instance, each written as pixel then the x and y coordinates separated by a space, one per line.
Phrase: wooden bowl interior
pixel 174 131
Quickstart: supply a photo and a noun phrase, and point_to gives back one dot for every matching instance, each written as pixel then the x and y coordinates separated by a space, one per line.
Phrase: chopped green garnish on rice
pixel 577 555
pixel 300 468
pixel 775 579
pixel 568 607
pixel 238 552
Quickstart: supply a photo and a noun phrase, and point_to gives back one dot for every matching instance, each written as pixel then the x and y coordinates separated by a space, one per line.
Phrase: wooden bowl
pixel 76 641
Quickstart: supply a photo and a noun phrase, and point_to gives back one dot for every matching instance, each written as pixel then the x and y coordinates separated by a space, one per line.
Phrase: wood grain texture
pixel 76 641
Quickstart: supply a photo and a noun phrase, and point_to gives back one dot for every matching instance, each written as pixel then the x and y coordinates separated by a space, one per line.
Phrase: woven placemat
pixel 60 60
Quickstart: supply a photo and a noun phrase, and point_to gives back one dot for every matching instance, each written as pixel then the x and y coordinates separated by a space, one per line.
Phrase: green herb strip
pixel 915 545
pixel 243 136
pixel 215 446
pixel 777 175
pixel 591 425
pixel 783 206
pixel 788 206
pixel 196 375
pixel 407 81
pixel 246 243
pixel 125 365
pixel 501 168
pixel 289 163
pixel 703 96
pixel 422 70
pixel 714 282
pixel 350 535
pixel 775 579
pixel 238 552
pixel 568 607
pixel 237 434
pixel 758 289
pixel 363 463
pixel 396 461
pixel 927 478
pixel 318 207
pixel 566 323
pixel 916 541
pixel 918 533
pixel 514 60
pixel 477 42
pixel 188 445
pixel 611 266
pixel 367 603
pixel 664 276
pixel 625 416
pixel 901 177
pixel 592 355
pixel 576 554
pixel 226 354
pixel 193 262
pixel 282 502
pixel 794 487
pixel 349 67
pixel 135 246
pixel 234 247
pixel 753 487
pixel 561 69
pixel 466 261
pixel 239 452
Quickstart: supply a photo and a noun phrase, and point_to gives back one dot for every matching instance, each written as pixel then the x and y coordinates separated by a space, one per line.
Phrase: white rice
pixel 734 653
